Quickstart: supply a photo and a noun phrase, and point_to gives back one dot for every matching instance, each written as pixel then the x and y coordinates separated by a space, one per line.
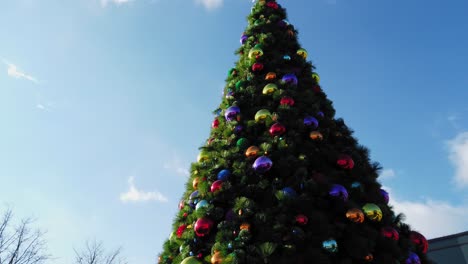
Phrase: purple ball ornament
pixel 413 258
pixel 289 79
pixel 311 121
pixel 321 114
pixel 262 164
pixel 232 113
pixel 230 95
pixel 339 191
pixel 238 129
pixel 193 199
pixel 243 39
pixel 224 175
pixel 385 195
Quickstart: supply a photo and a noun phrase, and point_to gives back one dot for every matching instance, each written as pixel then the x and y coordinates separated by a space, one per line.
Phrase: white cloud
pixel 387 174
pixel 433 218
pixel 176 166
pixel 15 72
pixel 458 154
pixel 210 4
pixel 104 3
pixel 135 195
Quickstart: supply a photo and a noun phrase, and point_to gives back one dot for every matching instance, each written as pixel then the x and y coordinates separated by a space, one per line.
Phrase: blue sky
pixel 103 105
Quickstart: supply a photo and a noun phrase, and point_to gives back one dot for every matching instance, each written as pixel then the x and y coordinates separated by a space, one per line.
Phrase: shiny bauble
pixel 339 191
pixel 180 230
pixel 256 67
pixel 320 114
pixel 243 39
pixel 232 72
pixel 413 258
pixel 242 143
pixel 273 5
pixel 215 123
pixel 245 226
pixel 287 57
pixel 202 204
pixel 261 115
pixel 255 52
pixel 252 152
pixel 310 121
pixel 289 79
pixel 330 246
pixel 277 129
pixel 195 183
pixel 216 186
pixel 369 258
pixel 345 162
pixel 217 258
pixel 262 164
pixel 232 113
pixel 269 88
pixel 385 195
pixel 203 226
pixel 202 156
pixel 355 215
pixel 191 260
pixel 316 136
pixel 373 212
pixel 239 85
pixel 289 192
pixel 223 175
pixel 302 219
pixel 316 77
pixel 193 199
pixel 419 240
pixel 302 53
pixel 287 101
pixel 390 232
pixel 181 204
pixel 270 76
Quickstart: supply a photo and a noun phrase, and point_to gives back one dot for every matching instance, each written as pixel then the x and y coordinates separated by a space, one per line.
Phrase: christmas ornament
pixel 316 77
pixel 321 114
pixel 180 230
pixel 345 162
pixel 289 192
pixel 273 5
pixel 373 212
pixel 181 204
pixel 330 246
pixel 302 219
pixel 369 258
pixel 230 95
pixel 311 122
pixel 224 175
pixel 356 185
pixel 270 88
pixel 252 152
pixel 216 186
pixel 202 204
pixel 390 232
pixel 238 129
pixel 243 39
pixel 255 53
pixel 289 79
pixel 270 76
pixel 245 226
pixel 420 241
pixel 277 129
pixel 290 33
pixel 287 101
pixel 262 164
pixel 413 258
pixel 215 123
pixel 315 135
pixel 339 191
pixel 355 215
pixel 232 72
pixel 217 258
pixel 191 260
pixel 262 114
pixel 239 85
pixel 302 53
pixel 232 113
pixel 195 182
pixel 256 67
pixel 203 226
pixel 242 143
pixel 202 156
pixel 193 199
pixel 286 57
pixel 385 195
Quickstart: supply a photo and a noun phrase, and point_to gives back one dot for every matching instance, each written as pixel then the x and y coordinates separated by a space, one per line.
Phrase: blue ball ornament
pixel 413 258
pixel 262 164
pixel 286 57
pixel 385 195
pixel 289 79
pixel 238 129
pixel 289 192
pixel 339 191
pixel 202 204
pixel 311 122
pixel 193 199
pixel 232 113
pixel 224 175
pixel 330 246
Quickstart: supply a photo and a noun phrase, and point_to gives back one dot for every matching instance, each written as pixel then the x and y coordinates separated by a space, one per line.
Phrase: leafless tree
pixel 94 253
pixel 21 244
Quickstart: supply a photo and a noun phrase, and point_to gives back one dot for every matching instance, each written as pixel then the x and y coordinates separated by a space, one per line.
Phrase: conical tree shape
pixel 280 180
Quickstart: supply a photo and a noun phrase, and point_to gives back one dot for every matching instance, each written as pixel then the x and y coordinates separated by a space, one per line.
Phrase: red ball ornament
pixel 302 219
pixel 277 129
pixel 181 204
pixel 273 5
pixel 180 230
pixel 419 240
pixel 390 232
pixel 257 67
pixel 215 123
pixel 216 186
pixel 203 226
pixel 345 162
pixel 287 101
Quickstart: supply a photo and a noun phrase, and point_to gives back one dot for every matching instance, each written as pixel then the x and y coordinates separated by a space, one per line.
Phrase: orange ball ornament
pixel 217 258
pixel 252 152
pixel 355 215
pixel 245 226
pixel 270 76
pixel 369 258
pixel 315 135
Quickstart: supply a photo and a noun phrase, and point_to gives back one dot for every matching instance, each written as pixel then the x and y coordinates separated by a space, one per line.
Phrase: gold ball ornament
pixel 217 258
pixel 269 88
pixel 270 76
pixel 355 215
pixel 373 212
pixel 252 152
pixel 315 135
pixel 261 115
pixel 195 183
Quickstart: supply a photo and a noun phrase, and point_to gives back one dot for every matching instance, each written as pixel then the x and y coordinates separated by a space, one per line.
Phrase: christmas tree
pixel 280 180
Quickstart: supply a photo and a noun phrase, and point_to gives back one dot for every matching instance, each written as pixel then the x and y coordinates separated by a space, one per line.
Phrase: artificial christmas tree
pixel 280 180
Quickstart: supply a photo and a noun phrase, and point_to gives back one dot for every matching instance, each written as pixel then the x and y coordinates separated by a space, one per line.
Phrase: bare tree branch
pixel 94 253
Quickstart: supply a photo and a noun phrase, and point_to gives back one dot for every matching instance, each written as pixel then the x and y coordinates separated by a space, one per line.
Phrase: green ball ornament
pixel 242 143
pixel 373 212
pixel 191 260
pixel 269 88
pixel 261 115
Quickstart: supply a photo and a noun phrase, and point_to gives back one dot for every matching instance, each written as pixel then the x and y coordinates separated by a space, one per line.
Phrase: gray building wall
pixel 451 249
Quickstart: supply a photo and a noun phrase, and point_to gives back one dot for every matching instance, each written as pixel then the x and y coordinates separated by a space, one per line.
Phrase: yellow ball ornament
pixel 270 88
pixel 316 77
pixel 261 115
pixel 255 52
pixel 202 156
pixel 302 53
pixel 373 212
pixel 190 260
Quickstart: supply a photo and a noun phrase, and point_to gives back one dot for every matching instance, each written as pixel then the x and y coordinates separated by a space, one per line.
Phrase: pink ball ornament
pixel 302 219
pixel 345 162
pixel 256 67
pixel 216 186
pixel 203 226
pixel 277 129
pixel 390 232
pixel 287 101
pixel 215 123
